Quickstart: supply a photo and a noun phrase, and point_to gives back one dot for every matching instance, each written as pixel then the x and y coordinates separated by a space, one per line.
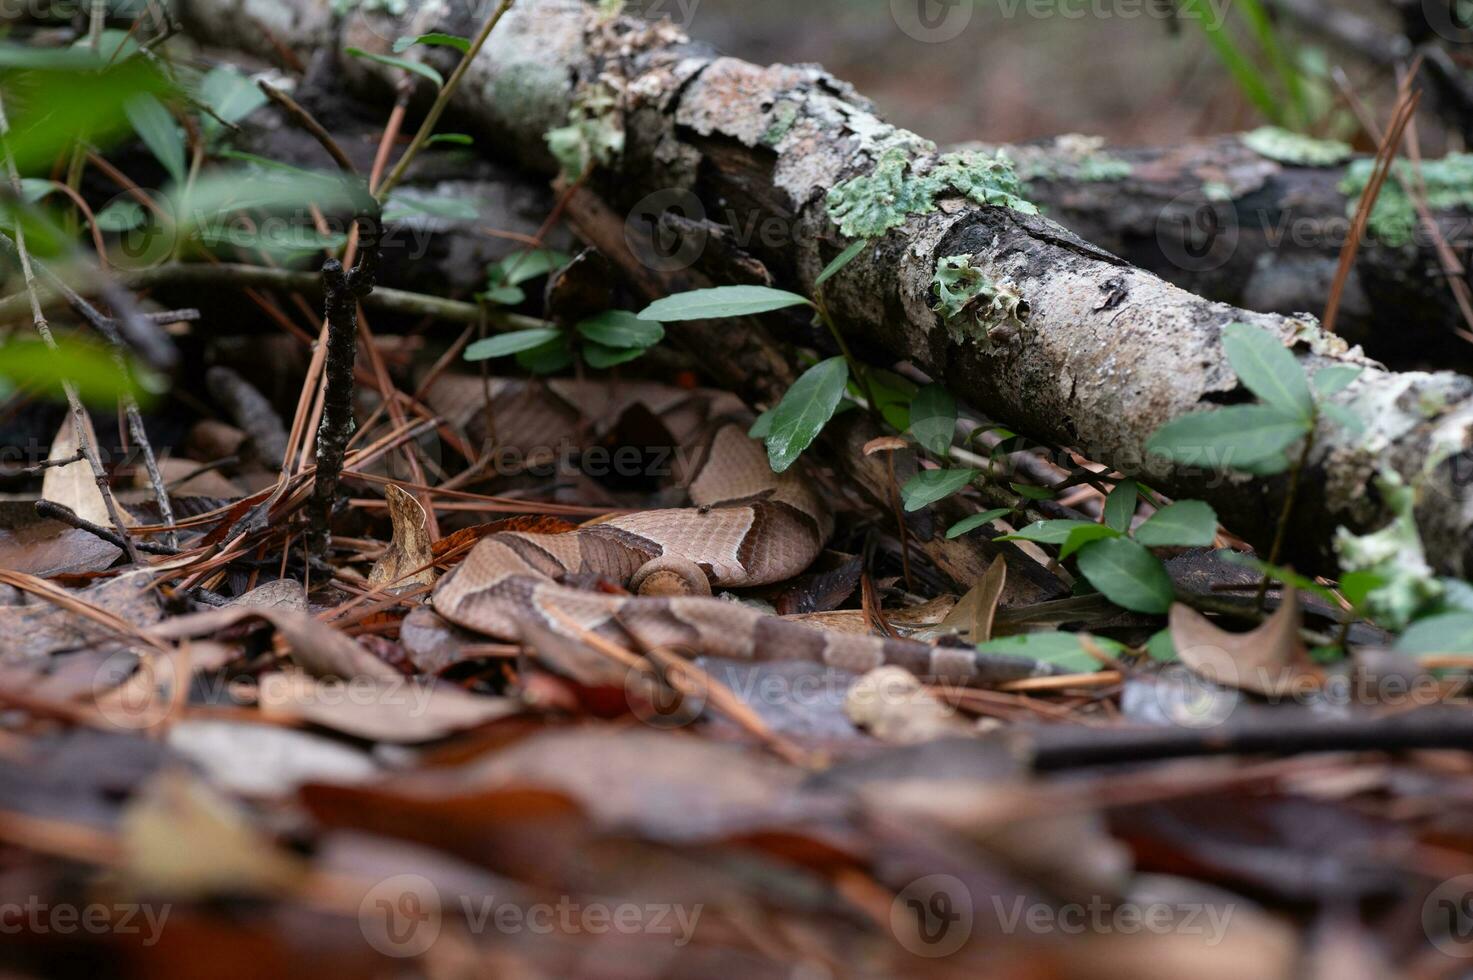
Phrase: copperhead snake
pixel 747 527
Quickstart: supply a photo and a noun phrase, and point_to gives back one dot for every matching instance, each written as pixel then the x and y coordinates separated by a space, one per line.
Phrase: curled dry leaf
pixel 885 444
pixel 894 706
pixel 973 614
pixel 73 485
pixel 404 563
pixel 1269 660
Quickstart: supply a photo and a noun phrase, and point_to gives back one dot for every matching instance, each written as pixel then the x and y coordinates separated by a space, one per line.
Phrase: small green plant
pixel 604 340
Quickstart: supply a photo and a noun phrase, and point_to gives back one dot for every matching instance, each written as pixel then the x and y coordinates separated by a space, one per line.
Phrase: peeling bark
pixel 1114 352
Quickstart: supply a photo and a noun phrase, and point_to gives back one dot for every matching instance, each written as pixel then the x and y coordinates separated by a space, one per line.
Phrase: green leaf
pixel 230 95
pixel 1357 587
pixel 762 425
pixel 722 301
pixel 1063 650
pixel 551 357
pixel 1268 369
pixel 1031 492
pixel 1334 379
pixel 122 214
pixel 1227 438
pixel 1343 416
pixel 459 139
pixel 1448 633
pixel 89 366
pixel 1128 575
pixel 416 67
pixel 460 44
pixel 804 410
pixel 1185 524
pixel 153 124
pixel 1049 532
pixel 517 269
pixel 933 418
pixel 620 328
pixel 967 524
pixel 505 296
pixel 1120 505
pixel 602 356
pixel 842 259
pixel 1161 648
pixel 402 204
pixel 511 343
pixel 929 486
pixel 1081 536
pixel 893 395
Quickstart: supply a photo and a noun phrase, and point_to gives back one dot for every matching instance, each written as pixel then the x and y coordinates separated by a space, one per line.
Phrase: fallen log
pixel 1112 354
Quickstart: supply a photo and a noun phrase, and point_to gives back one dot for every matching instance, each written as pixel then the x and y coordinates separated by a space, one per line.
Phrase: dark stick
pixel 1055 749
pixel 343 290
pixel 60 512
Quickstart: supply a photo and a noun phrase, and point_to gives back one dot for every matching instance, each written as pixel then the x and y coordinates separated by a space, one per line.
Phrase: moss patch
pixel 1071 157
pixel 898 187
pixel 1449 184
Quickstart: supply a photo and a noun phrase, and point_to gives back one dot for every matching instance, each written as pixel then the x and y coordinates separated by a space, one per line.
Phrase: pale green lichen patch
pixel 1449 184
pixel 975 307
pixel 1286 146
pixel 594 135
pixel 1072 156
pixel 898 187
pixel 1394 555
pixel 784 117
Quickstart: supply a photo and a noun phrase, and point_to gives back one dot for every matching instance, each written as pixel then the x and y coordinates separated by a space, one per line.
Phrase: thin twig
pixel 51 510
pixel 308 122
pixel 442 100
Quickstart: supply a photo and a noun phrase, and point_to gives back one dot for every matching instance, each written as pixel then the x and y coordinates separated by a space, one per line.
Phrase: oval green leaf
pixel 1128 575
pixel 1240 435
pixel 722 301
pixel 975 521
pixel 804 410
pixel 620 328
pixel 505 344
pixel 1268 370
pixel 929 486
pixel 933 418
pixel 1185 524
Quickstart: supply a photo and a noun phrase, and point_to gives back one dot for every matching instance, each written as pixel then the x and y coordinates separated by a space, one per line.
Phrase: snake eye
pixel 669 576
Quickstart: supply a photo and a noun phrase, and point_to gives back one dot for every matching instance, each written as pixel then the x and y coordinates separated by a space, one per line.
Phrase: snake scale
pixel 746 527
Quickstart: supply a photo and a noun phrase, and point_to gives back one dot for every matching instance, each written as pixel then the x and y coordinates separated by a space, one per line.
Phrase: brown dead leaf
pixel 73 485
pixel 404 563
pixel 42 627
pixel 400 711
pixel 973 614
pixel 1270 660
pixel 181 839
pixel 314 645
pixel 896 708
